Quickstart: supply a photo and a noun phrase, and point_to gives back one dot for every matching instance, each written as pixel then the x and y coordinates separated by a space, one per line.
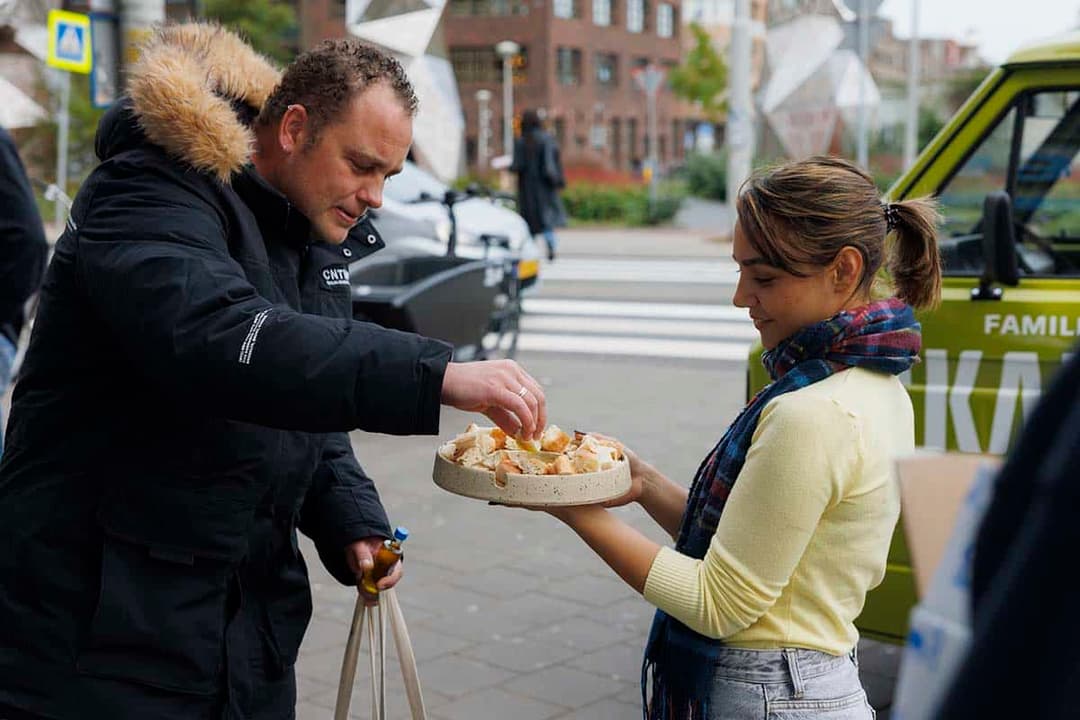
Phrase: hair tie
pixel 892 215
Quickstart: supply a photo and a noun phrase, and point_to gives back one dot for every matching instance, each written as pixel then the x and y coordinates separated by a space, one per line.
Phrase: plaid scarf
pixel 882 336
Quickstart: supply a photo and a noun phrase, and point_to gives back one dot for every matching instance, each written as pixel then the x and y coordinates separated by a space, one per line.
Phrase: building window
pixel 616 144
pixel 635 15
pixel 479 65
pixel 665 20
pixel 488 8
pixel 607 70
pixel 482 65
pixel 567 9
pixel 601 12
pixel 568 66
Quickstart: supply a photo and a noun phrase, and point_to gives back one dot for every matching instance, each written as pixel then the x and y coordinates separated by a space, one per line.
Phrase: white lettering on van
pixel 1043 325
pixel 944 399
pixel 1020 380
pixel 1033 325
pixel 1021 383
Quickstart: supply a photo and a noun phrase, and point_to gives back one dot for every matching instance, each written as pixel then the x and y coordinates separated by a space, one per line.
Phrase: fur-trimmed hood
pixel 183 90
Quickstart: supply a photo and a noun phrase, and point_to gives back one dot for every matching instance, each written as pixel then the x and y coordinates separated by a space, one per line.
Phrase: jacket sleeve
pixel 22 235
pixel 341 507
pixel 517 163
pixel 155 268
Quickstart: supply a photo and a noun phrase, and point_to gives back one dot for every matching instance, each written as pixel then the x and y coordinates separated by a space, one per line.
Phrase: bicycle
pixel 500 338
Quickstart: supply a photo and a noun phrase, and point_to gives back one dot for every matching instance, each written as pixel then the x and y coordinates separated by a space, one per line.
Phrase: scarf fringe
pixel 667 702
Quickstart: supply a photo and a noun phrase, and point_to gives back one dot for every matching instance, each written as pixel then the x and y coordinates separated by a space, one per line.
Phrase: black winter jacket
pixel 183 410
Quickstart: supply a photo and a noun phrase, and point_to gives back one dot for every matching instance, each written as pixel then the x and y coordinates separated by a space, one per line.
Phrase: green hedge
pixel 621 205
pixel 706 175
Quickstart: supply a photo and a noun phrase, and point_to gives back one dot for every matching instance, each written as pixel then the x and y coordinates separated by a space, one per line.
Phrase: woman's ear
pixel 847 270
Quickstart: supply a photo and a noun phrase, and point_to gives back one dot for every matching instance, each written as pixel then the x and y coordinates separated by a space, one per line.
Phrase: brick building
pixel 576 63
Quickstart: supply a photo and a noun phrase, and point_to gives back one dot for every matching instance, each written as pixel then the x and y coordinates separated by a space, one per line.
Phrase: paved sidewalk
pixel 511 615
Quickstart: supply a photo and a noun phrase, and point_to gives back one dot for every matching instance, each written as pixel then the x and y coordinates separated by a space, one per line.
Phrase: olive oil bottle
pixel 384 559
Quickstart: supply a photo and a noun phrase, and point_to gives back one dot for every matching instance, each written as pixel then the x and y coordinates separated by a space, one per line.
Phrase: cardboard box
pixel 932 492
pixel 943 499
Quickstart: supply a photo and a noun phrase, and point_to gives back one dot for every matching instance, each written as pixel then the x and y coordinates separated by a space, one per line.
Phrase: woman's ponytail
pixel 912 257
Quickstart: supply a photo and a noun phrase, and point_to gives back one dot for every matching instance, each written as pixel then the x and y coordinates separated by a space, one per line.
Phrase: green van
pixel 1006 170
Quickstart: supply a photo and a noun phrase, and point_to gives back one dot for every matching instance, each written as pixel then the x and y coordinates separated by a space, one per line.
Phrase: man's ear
pixel 847 270
pixel 292 131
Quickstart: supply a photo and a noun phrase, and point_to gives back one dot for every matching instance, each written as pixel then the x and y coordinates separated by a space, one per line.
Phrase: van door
pixel 987 356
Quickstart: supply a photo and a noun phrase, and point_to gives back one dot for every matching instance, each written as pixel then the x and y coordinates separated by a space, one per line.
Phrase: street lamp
pixel 483 117
pixel 507 49
pixel 862 20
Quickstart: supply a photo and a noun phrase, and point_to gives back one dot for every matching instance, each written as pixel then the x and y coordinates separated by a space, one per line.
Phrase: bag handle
pixel 388 609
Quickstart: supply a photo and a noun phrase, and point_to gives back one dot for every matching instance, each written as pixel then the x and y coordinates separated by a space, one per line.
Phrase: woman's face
pixel 781 303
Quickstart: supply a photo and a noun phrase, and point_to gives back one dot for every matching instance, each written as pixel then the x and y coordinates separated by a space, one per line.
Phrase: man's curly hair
pixel 327 77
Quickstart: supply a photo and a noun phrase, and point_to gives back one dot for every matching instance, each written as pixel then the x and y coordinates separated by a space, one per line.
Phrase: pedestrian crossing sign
pixel 69 42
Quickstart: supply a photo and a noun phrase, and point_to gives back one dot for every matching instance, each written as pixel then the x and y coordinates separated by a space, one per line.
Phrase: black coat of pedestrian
pixel 22 240
pixel 183 410
pixel 540 177
pixel 1022 662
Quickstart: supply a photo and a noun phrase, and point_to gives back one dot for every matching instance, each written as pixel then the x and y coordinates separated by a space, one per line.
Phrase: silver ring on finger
pixel 523 392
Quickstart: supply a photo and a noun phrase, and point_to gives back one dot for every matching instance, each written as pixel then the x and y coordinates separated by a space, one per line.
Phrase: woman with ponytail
pixel 787 524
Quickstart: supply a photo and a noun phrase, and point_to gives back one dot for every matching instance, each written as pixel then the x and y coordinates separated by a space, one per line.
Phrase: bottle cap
pixel 401 534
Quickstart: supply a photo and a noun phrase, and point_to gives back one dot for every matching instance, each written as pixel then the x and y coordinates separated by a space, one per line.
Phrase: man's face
pixel 334 181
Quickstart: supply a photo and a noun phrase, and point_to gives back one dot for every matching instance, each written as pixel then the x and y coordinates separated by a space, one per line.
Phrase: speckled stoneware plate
pixel 533 490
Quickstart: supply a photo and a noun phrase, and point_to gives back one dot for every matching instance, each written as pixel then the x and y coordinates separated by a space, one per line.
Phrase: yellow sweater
pixel 806 530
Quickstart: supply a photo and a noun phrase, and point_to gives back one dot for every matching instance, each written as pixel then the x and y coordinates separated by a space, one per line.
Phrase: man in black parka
pixel 190 381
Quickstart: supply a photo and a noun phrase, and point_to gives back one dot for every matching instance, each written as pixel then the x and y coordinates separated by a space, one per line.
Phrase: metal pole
pixel 862 152
pixel 483 117
pixel 650 110
pixel 911 132
pixel 740 130
pixel 508 106
pixel 137 21
pixel 63 124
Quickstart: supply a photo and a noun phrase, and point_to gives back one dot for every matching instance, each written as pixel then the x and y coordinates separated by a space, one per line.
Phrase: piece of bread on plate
pixel 554 439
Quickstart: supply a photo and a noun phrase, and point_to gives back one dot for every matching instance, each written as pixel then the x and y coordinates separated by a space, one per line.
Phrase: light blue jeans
pixel 7 360
pixel 550 239
pixel 788 684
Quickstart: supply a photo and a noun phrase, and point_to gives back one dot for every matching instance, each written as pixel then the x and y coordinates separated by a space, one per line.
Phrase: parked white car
pixel 413 227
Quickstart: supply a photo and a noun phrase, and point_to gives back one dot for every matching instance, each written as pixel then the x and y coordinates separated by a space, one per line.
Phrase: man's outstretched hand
pixel 501 390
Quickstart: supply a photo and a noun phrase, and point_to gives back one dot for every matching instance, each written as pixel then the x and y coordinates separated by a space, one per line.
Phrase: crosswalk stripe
pixel 648 347
pixel 606 308
pixel 643 327
pixel 710 272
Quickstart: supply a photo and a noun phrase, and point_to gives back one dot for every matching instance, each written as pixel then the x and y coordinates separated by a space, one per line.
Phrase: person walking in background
pixel 540 177
pixel 22 256
pixel 788 522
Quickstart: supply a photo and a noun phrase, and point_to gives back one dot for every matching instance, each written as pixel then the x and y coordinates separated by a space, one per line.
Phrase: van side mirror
pixel 998 247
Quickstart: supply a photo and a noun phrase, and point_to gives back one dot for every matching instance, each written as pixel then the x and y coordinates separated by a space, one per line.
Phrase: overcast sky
pixel 997 26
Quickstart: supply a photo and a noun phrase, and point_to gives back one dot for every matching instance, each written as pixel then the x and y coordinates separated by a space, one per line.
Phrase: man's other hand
pixel 359 556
